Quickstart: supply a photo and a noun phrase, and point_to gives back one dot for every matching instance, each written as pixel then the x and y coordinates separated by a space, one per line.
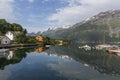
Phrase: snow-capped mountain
pixel 91 29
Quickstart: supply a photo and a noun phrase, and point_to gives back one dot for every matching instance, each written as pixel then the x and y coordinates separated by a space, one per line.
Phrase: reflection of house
pixel 10 35
pixel 40 49
pixel 5 40
pixel 10 55
pixel 40 38
pixel 4 52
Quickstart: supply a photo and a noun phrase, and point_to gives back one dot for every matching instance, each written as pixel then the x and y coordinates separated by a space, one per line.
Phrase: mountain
pixel 33 34
pixel 92 29
pixel 95 59
pixel 56 32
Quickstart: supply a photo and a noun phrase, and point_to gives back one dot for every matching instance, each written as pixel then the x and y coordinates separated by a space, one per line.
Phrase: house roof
pixel 13 32
pixel 10 31
pixel 1 37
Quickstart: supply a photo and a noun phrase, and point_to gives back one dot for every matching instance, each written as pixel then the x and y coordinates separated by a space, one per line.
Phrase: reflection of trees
pixel 19 54
pixel 99 60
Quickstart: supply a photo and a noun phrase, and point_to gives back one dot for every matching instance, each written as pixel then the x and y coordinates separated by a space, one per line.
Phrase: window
pixel 6 42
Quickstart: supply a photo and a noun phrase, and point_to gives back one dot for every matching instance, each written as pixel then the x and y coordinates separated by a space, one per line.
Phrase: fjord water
pixel 59 63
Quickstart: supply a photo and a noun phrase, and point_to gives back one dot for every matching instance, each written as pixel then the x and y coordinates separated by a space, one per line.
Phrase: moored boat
pixel 114 51
pixel 86 47
pixel 103 47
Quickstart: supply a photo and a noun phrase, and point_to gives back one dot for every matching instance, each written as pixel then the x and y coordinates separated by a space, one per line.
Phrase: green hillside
pixel 19 31
pixel 6 26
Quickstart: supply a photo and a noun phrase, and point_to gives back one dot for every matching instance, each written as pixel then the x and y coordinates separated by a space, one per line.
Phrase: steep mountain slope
pixel 92 29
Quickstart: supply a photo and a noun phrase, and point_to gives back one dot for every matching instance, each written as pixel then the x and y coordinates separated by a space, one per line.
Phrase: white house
pixel 5 40
pixel 10 35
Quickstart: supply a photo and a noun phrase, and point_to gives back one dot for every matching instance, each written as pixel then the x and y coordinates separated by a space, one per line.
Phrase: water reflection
pixel 99 60
pixel 15 55
pixel 10 57
pixel 40 49
pixel 6 53
pixel 64 62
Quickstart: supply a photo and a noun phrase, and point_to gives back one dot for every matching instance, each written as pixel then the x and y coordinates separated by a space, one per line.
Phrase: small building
pixel 10 35
pixel 40 38
pixel 5 40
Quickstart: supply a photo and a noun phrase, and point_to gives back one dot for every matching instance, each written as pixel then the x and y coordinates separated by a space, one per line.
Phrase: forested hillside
pixel 19 31
pixel 6 26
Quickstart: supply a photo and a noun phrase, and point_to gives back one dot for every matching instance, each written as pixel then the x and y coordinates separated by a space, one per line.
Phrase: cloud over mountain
pixel 78 10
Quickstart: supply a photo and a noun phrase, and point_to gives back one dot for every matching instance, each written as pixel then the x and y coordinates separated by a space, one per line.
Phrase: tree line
pixel 5 26
pixel 19 31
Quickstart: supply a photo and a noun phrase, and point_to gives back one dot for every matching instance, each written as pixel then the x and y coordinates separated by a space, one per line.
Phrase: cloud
pixel 7 9
pixel 45 0
pixel 31 1
pixel 78 10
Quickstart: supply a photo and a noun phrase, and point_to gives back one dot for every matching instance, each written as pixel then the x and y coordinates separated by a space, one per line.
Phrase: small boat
pixel 103 47
pixel 114 50
pixel 47 45
pixel 86 47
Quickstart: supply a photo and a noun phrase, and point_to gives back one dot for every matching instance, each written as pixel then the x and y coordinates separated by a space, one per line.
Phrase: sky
pixel 39 15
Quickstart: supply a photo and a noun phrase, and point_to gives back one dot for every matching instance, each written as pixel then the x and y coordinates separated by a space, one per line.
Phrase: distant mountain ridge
pixel 92 29
pixel 33 34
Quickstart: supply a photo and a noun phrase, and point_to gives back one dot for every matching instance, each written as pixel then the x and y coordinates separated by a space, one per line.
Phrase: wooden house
pixel 40 38
pixel 5 40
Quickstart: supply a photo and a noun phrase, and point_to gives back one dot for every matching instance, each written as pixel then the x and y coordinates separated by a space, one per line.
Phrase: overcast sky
pixel 39 15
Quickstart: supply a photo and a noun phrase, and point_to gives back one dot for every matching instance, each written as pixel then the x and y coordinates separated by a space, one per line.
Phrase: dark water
pixel 58 63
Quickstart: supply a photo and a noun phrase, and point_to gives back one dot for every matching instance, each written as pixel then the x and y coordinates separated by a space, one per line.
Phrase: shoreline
pixel 20 45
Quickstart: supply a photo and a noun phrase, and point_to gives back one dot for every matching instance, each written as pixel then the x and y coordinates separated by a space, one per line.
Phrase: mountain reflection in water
pixel 97 59
pixel 69 61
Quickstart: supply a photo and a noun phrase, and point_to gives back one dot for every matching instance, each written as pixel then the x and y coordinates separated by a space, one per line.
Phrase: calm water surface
pixel 58 63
